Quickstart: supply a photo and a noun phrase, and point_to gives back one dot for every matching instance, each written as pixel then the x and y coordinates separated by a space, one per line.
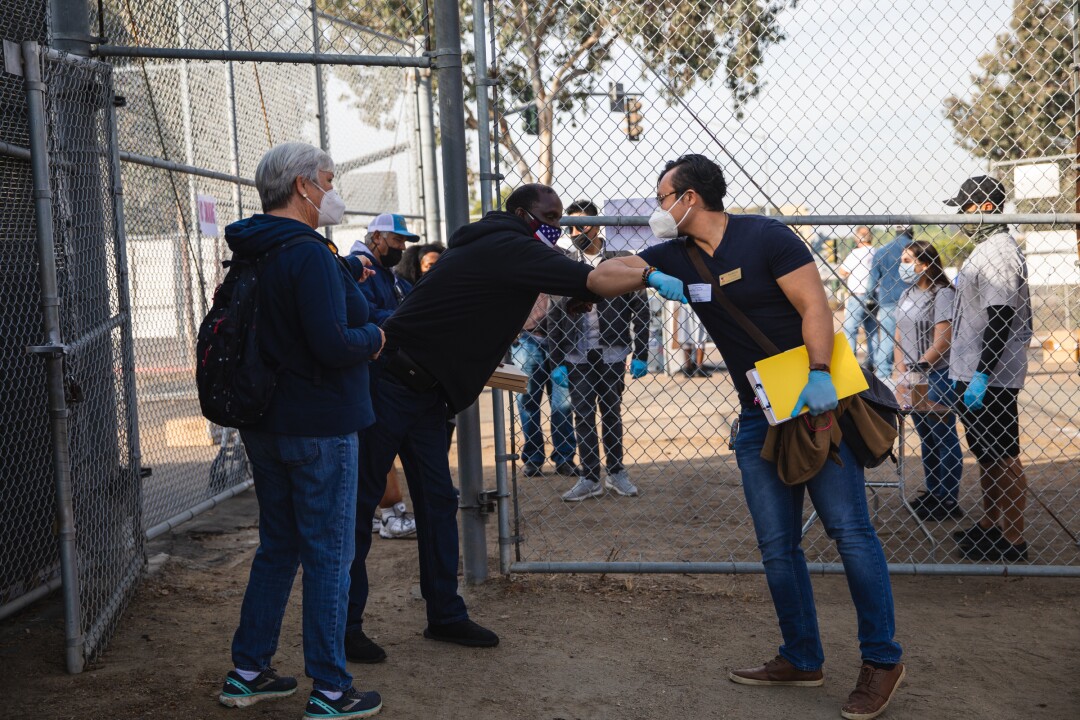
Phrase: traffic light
pixel 531 120
pixel 632 126
pixel 617 97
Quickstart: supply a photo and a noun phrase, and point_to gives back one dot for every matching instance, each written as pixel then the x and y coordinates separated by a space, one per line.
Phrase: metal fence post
pixel 447 61
pixel 234 131
pixel 53 352
pixel 428 161
pixel 498 415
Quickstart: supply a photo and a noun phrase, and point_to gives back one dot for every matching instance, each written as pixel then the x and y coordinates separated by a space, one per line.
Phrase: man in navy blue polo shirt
pixel 768 272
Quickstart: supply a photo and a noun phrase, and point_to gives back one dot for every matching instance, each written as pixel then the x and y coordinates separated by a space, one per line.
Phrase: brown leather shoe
pixel 778 671
pixel 872 692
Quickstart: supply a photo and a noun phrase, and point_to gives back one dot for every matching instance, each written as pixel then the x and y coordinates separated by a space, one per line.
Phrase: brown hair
pixel 927 254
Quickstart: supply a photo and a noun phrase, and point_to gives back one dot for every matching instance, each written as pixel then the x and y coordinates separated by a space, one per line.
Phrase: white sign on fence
pixel 1037 181
pixel 207 208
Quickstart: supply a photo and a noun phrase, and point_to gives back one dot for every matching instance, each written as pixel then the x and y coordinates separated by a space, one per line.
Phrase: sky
pixel 849 120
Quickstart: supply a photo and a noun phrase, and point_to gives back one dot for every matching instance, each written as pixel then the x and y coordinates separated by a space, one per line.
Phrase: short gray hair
pixel 281 165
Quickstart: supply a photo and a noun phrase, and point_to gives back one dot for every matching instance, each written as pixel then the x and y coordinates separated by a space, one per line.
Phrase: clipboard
pixel 778 380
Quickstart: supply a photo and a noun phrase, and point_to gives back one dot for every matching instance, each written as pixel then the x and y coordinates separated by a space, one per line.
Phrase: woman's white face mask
pixel 663 224
pixel 331 209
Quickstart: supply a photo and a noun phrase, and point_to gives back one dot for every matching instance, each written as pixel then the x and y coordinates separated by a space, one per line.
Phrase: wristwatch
pixel 820 367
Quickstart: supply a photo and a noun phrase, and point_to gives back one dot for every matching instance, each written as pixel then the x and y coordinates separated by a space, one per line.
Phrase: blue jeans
pixel 839 496
pixel 411 425
pixel 943 460
pixel 885 341
pixel 531 355
pixel 306 488
pixel 856 316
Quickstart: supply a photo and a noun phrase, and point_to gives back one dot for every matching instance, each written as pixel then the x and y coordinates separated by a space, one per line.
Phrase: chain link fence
pixel 847 114
pixel 181 133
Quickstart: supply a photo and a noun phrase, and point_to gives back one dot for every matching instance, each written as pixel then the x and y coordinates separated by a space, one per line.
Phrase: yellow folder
pixel 782 377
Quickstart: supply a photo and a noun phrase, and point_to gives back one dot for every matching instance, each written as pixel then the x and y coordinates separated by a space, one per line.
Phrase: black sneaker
pixel 238 692
pixel 465 632
pixel 974 534
pixel 1005 551
pixel 568 469
pixel 938 509
pixel 923 498
pixel 532 470
pixel 985 547
pixel 351 704
pixel 359 648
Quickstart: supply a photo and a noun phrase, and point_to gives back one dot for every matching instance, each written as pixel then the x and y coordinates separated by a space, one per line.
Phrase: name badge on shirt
pixel 700 292
pixel 730 277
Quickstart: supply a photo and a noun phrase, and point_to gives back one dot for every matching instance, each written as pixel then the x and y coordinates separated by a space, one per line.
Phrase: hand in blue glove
pixel 819 395
pixel 638 369
pixel 670 288
pixel 560 377
pixel 976 391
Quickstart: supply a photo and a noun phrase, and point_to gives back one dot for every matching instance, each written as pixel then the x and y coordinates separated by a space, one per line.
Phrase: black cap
pixel 978 190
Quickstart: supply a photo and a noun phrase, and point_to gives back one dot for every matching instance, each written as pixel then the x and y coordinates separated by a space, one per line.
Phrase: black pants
pixel 598 385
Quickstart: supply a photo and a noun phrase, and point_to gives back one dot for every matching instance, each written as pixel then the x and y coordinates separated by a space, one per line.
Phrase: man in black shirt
pixel 766 271
pixel 442 344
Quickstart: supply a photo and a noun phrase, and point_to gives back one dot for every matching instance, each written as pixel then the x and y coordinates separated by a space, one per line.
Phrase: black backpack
pixel 235 383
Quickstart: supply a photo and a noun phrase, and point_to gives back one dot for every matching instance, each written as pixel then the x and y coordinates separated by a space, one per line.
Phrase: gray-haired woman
pixel 313 326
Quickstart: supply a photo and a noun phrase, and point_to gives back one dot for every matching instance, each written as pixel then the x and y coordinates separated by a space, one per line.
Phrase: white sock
pixel 247 675
pixel 332 694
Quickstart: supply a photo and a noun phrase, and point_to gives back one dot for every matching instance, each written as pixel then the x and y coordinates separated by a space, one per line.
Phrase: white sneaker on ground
pixel 376 523
pixel 583 490
pixel 620 483
pixel 397 523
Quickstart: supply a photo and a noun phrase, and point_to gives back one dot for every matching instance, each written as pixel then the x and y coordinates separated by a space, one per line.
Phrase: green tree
pixel 1021 103
pixel 559 50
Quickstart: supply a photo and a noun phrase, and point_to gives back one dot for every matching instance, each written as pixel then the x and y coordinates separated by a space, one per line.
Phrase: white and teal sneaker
pixel 351 704
pixel 267 685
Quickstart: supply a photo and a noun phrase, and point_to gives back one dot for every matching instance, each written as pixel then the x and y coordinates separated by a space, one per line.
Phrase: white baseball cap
pixel 389 222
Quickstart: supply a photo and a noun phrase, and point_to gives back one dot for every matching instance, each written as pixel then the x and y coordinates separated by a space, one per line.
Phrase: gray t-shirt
pixel 994 274
pixel 916 315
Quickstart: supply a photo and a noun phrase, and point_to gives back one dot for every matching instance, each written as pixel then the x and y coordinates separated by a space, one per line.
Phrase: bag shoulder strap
pixel 697 259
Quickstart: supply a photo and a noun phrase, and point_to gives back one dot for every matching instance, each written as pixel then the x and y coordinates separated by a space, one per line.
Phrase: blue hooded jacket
pixel 384 290
pixel 314 323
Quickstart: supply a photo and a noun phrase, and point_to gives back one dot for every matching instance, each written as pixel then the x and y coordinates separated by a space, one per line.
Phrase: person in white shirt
pixel 855 270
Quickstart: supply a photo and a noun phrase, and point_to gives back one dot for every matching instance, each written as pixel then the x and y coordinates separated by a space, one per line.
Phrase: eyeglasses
pixel 570 230
pixel 660 198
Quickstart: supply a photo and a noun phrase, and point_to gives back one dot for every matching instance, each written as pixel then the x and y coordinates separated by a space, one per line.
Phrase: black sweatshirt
pixel 460 319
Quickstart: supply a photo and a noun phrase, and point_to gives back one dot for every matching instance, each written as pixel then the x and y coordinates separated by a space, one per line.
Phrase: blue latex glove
pixel 638 369
pixel 670 288
pixel 560 377
pixel 976 391
pixel 819 395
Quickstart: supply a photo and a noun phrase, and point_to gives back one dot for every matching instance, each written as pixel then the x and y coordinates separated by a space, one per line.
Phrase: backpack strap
pixel 697 258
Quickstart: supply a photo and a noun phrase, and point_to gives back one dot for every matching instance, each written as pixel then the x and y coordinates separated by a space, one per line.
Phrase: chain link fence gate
pixel 829 116
pixel 76 510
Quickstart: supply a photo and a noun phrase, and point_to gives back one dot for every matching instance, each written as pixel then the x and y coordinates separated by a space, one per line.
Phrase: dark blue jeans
pixel 839 496
pixel 306 488
pixel 411 425
pixel 598 386
pixel 943 460
pixel 530 354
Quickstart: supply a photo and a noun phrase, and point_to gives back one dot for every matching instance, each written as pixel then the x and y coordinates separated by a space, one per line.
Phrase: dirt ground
pixel 573 647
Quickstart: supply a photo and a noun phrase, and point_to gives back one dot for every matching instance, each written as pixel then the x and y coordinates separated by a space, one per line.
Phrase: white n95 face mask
pixel 332 209
pixel 663 224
